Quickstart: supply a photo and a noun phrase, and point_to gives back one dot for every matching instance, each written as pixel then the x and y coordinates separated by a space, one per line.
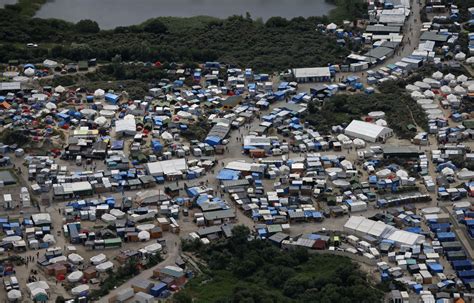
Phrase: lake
pixel 112 13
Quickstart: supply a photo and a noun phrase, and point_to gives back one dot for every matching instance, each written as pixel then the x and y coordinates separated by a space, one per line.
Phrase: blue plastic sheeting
pixel 156 145
pixel 112 98
pixel 213 140
pixel 435 267
pixel 228 174
pixel 466 274
pixel 462 264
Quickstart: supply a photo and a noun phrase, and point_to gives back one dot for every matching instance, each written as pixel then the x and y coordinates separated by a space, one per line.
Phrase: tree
pixel 182 297
pixel 277 22
pixel 155 26
pixel 87 26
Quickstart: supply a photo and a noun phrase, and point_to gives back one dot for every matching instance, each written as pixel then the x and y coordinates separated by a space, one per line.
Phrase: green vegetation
pixel 398 106
pixel 347 10
pixel 257 271
pixel 276 45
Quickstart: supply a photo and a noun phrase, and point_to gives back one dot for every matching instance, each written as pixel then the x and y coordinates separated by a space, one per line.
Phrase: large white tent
pixel 361 226
pixel 367 131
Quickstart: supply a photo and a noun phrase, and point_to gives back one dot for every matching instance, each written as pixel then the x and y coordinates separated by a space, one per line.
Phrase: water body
pixel 112 13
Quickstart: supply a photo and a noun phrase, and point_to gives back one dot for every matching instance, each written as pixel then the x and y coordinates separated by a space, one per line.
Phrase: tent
pixel 29 72
pixel 99 93
pixel 75 258
pixel 103 267
pixel 50 106
pixel 100 258
pixel 59 89
pixel 14 295
pixel 437 75
pixel 80 290
pixel 331 27
pixel 146 227
pixel 48 238
pixel 153 248
pixel 75 276
pixel 144 235
pixel 108 218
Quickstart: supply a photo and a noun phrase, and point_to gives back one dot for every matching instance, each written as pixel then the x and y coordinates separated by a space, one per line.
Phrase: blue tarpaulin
pixel 228 174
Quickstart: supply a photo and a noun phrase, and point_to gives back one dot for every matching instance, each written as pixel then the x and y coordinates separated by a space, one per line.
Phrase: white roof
pixel 168 167
pixel 125 125
pixel 311 72
pixel 363 226
pixel 100 258
pixel 365 130
pixel 103 267
pixel 43 218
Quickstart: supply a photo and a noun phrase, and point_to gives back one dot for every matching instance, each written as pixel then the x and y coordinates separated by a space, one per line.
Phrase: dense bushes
pixel 256 271
pixel 276 45
pixel 392 99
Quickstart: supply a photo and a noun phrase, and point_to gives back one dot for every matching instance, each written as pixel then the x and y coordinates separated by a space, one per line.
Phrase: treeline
pixel 277 44
pixel 398 106
pixel 239 270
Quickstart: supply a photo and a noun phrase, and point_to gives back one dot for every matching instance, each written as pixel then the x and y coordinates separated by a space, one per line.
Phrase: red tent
pixel 157 64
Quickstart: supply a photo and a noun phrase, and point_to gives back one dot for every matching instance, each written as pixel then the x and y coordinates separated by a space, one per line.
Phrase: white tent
pixel 342 138
pixel 99 93
pixel 117 213
pixel 144 235
pixel 14 295
pixel 428 94
pixel 75 258
pixel 48 238
pixel 101 121
pixel 384 173
pixel 466 174
pixel 422 85
pixel 81 289
pixel 103 267
pixel 459 90
pixel 107 113
pixel 377 115
pixel 58 259
pixel 108 218
pixel 331 26
pixel 50 63
pixel 449 77
pixel 367 131
pixel 347 164
pixel 146 227
pixel 59 89
pixel 29 72
pixel 412 88
pixel 460 56
pixel 416 95
pixel 447 171
pixel 153 248
pixel 167 136
pixel 445 89
pixel 100 258
pixel 461 78
pixel 50 106
pixel 359 143
pixel 437 75
pixel 452 83
pixel 381 122
pixel 401 173
pixel 471 88
pixel 75 276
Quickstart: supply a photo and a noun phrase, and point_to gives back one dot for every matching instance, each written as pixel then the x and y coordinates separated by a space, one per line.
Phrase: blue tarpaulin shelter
pixel 228 174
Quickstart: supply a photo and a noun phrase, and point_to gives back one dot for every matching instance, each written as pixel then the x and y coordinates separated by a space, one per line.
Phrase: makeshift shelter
pixel 75 258
pixel 81 290
pixel 100 258
pixel 103 267
pixel 75 276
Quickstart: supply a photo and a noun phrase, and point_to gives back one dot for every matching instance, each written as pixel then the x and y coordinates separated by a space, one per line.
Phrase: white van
pixel 79 160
